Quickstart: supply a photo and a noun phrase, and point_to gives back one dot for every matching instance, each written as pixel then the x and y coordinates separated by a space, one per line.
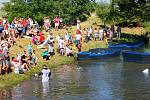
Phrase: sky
pixel 104 1
pixel 3 1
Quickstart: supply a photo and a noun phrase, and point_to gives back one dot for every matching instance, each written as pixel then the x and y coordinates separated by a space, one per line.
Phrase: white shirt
pixel 61 43
pixel 100 31
pixel 4 21
pixel 18 58
pixel 78 21
pixel 5 50
pixel 78 36
pixel 45 76
pixel 16 66
pixel 68 50
pixel 50 48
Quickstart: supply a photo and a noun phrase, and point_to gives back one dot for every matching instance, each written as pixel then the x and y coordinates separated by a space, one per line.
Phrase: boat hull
pixel 128 46
pixel 98 54
pixel 138 57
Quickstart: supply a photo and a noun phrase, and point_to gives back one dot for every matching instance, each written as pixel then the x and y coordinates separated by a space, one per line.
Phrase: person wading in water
pixel 46 73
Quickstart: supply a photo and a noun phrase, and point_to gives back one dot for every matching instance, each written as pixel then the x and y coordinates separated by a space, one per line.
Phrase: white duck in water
pixel 145 71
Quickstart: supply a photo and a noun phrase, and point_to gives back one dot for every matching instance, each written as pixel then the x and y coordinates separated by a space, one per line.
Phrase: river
pixel 105 80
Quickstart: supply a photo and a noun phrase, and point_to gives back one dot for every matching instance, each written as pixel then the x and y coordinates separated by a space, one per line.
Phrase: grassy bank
pixel 13 79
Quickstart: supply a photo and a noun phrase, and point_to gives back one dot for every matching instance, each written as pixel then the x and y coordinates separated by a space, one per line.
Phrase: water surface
pixel 106 80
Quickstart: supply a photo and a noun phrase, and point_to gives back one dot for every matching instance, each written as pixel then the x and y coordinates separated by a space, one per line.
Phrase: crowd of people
pixel 9 32
pixel 66 42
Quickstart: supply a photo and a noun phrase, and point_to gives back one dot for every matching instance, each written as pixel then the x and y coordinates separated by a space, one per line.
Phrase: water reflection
pixel 135 84
pixel 107 80
pixel 45 88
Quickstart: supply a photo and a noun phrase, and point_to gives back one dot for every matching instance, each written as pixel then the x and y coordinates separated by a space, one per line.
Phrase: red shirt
pixel 41 38
pixel 6 27
pixel 78 31
pixel 1 22
pixel 56 20
pixel 24 23
pixel 14 60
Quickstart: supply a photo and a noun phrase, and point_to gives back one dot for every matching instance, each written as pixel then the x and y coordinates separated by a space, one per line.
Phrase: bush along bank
pixel 131 38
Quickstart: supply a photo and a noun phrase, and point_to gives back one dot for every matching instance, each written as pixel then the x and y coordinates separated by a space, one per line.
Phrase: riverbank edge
pixel 13 79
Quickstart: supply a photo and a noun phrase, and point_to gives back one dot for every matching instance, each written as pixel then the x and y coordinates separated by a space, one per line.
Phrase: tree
pixel 131 11
pixel 128 12
pixel 103 12
pixel 37 9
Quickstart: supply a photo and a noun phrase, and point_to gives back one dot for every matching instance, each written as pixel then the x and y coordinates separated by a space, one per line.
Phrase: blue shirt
pixel 1 28
pixel 29 47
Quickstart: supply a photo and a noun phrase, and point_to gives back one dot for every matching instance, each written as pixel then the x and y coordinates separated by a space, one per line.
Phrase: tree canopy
pixel 37 9
pixel 125 11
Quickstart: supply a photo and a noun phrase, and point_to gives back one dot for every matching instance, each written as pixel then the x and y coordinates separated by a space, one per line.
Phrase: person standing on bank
pixel 46 73
pixel 57 23
pixel 118 31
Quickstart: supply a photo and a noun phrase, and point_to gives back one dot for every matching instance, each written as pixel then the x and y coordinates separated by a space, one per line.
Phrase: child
pixel 29 47
pixel 34 40
pixel 50 49
pixel 34 58
pixel 45 55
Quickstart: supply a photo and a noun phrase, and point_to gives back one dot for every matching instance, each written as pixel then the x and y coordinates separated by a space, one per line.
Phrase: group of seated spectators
pixel 19 64
pixel 8 35
pixel 63 47
pixel 23 62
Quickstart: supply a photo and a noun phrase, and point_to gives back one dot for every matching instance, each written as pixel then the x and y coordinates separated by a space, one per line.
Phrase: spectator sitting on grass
pixel 24 62
pixel 68 51
pixel 45 55
pixel 35 40
pixel 16 66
